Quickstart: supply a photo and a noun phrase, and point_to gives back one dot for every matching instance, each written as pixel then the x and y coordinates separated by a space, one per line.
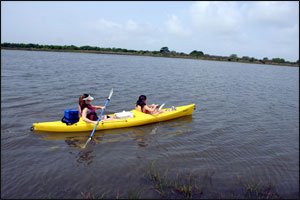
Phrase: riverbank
pixel 170 55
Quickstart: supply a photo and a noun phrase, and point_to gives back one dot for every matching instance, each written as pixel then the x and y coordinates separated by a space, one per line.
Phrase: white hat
pixel 89 98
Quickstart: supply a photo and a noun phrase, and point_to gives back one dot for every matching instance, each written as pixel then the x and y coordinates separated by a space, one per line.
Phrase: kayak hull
pixel 138 120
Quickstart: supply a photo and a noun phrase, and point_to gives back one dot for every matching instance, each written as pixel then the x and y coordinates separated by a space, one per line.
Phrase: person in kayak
pixel 88 111
pixel 141 105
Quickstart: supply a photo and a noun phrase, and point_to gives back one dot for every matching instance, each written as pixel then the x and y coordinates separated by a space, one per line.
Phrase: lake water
pixel 245 129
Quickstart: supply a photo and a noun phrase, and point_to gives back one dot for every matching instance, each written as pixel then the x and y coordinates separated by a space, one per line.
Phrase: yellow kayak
pixel 138 119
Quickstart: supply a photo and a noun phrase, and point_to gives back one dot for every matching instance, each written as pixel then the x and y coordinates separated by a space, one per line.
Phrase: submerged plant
pixel 87 195
pixel 187 186
pixel 159 179
pixel 256 191
pixel 167 186
pixel 132 194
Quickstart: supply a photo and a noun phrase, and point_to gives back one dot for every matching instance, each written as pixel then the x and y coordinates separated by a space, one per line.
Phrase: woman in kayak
pixel 88 111
pixel 141 105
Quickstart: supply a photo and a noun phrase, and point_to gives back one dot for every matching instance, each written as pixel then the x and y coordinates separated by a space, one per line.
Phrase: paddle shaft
pixel 102 111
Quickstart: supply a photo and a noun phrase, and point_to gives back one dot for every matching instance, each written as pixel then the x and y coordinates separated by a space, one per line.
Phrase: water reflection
pixel 139 135
pixel 141 142
pixel 85 157
pixel 72 142
pixel 142 135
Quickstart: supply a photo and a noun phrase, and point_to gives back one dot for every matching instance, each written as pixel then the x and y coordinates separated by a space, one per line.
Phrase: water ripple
pixel 246 123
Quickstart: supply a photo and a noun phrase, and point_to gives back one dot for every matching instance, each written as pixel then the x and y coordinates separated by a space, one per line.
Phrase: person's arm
pixel 84 118
pixel 150 109
pixel 99 107
pixel 79 110
pixel 153 105
pixel 138 108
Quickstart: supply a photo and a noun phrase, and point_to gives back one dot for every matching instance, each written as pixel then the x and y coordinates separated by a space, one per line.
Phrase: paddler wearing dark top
pixel 88 111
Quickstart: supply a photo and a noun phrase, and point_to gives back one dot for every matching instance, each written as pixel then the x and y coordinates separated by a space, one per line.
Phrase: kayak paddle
pixel 102 111
pixel 161 106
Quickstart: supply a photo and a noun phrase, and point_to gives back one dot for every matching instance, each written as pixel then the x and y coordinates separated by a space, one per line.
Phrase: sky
pixel 246 28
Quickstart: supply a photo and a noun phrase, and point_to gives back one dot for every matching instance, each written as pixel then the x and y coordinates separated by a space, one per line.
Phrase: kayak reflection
pixel 85 157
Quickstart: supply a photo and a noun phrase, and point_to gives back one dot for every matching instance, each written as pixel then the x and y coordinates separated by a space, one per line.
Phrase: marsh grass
pixel 186 185
pixel 183 185
pixel 131 194
pixel 251 190
pixel 87 195
pixel 158 179
pixel 134 194
pixel 257 191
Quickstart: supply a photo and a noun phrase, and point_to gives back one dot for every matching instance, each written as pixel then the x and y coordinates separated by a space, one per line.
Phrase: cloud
pixel 131 25
pixel 255 29
pixel 111 27
pixel 251 28
pixel 105 25
pixel 274 14
pixel 127 34
pixel 215 17
pixel 174 26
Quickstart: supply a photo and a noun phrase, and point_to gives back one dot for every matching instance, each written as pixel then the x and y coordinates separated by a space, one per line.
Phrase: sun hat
pixel 88 98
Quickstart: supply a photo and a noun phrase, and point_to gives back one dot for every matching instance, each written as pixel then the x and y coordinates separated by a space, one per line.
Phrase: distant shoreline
pixel 225 59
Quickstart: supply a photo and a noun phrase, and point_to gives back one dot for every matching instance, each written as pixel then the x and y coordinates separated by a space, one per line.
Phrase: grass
pixel 185 185
pixel 191 186
pixel 131 194
pixel 256 191
pixel 134 194
pixel 87 195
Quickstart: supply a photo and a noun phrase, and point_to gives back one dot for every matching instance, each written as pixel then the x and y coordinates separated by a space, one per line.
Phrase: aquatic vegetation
pixel 183 185
pixel 256 191
pixel 180 185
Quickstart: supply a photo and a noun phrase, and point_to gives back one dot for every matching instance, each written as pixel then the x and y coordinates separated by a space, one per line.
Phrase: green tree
pixel 197 53
pixel 278 60
pixel 233 56
pixel 164 50
pixel 247 58
pixel 265 59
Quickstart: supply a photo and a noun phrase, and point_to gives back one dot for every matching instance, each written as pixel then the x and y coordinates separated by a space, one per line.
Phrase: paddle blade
pixel 110 94
pixel 162 105
pixel 87 142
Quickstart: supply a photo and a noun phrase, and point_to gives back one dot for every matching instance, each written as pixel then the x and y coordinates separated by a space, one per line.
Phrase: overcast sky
pixel 251 28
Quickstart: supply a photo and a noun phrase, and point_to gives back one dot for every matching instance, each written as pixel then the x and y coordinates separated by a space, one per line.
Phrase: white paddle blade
pixel 110 94
pixel 161 106
pixel 87 142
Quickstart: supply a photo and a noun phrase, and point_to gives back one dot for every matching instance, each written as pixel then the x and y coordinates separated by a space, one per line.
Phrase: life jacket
pixel 91 115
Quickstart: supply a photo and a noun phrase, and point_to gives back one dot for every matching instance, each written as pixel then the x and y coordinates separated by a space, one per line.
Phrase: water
pixel 245 126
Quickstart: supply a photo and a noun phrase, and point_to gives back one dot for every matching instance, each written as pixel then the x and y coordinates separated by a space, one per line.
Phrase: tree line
pixel 164 51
